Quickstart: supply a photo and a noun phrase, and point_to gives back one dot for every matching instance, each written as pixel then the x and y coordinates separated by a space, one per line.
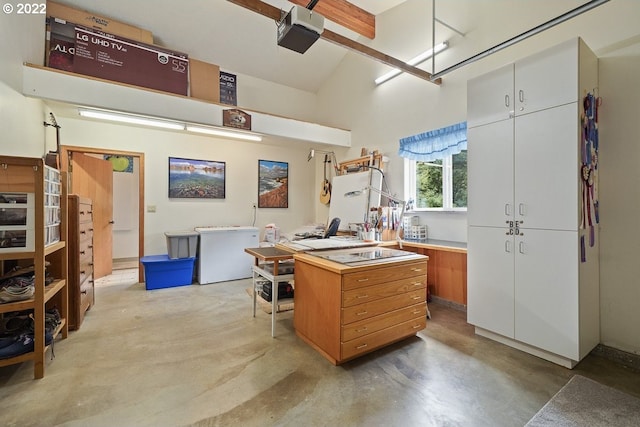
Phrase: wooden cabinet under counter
pixel 81 284
pixel 350 302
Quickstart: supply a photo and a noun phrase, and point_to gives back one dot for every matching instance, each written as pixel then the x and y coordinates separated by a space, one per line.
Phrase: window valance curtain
pixel 435 144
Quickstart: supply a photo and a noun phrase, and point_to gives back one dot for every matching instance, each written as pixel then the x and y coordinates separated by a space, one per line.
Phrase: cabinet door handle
pixel 361 346
pixel 506 100
pixel 362 313
pixel 521 209
pixel 521 247
pixel 521 95
pixel 507 246
pixel 507 209
pixel 363 280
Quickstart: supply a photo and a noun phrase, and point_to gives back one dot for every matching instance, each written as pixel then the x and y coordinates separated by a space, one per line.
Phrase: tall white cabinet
pixel 527 286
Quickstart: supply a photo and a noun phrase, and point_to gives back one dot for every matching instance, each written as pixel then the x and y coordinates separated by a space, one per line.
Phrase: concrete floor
pixel 195 356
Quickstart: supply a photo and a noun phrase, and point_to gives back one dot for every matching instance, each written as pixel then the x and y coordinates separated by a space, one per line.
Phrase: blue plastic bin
pixel 160 271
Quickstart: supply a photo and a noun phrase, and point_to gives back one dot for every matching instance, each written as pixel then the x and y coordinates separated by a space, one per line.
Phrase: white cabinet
pixel 540 81
pixel 527 286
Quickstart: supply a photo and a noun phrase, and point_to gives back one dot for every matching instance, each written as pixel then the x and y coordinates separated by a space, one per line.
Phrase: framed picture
pixel 273 184
pixel 196 179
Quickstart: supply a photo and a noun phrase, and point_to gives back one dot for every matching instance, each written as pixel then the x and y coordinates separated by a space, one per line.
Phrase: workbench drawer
pixel 381 306
pixel 381 338
pixel 386 320
pixel 384 274
pixel 383 290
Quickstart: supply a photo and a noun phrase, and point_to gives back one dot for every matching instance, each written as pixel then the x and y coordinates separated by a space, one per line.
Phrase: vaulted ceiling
pixel 244 42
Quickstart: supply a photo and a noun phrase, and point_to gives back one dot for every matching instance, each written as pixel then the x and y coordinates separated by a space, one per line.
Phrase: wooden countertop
pixel 441 245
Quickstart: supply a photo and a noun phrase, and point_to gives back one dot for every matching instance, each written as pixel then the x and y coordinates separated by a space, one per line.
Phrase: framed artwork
pixel 196 179
pixel 273 184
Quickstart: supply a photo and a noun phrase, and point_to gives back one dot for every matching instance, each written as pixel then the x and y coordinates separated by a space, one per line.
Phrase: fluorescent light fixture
pixel 131 119
pixel 224 133
pixel 166 124
pixel 414 61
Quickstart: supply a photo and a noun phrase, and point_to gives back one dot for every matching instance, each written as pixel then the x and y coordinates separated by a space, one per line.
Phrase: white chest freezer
pixel 221 254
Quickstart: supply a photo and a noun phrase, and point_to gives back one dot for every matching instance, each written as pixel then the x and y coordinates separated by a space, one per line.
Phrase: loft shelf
pixel 76 89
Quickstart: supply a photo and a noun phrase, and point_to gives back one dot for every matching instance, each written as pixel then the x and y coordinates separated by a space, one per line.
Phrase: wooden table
pixel 267 265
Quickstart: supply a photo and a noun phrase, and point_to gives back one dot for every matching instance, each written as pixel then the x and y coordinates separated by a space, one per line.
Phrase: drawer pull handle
pixel 83 232
pixel 81 252
pixel 363 280
pixel 416 312
pixel 417 326
pixel 417 297
pixel 362 329
pixel 363 296
pixel 83 272
pixel 362 313
pixel 361 346
pixel 417 284
pixel 83 292
pixel 416 269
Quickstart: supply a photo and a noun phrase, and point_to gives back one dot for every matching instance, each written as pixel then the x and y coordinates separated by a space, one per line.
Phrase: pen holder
pixel 368 236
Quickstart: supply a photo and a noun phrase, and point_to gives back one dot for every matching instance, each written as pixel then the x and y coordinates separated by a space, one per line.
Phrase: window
pixel 436 168
pixel 438 184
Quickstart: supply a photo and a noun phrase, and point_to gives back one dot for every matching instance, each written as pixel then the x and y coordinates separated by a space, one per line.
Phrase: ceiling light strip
pixel 167 124
pixel 131 119
pixel 414 61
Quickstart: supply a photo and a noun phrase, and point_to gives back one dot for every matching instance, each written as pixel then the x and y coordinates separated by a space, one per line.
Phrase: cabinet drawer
pixel 382 275
pixel 85 213
pixel 381 338
pixel 386 320
pixel 372 293
pixel 381 306
pixel 86 271
pixel 85 253
pixel 85 230
pixel 86 295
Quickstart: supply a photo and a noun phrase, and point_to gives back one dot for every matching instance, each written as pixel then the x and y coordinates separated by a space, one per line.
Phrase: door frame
pixel 65 153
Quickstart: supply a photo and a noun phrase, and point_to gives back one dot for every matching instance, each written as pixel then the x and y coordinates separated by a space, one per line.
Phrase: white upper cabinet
pixel 547 79
pixel 490 97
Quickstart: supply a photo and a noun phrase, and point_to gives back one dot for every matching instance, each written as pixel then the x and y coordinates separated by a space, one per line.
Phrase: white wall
pixel 184 214
pixel 20 118
pixel 620 202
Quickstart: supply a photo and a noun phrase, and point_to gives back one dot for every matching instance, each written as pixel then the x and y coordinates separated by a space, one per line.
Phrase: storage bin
pixel 182 244
pixel 160 271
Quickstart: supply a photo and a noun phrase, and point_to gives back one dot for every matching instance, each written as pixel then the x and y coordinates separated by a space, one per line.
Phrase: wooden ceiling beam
pixel 274 13
pixel 345 14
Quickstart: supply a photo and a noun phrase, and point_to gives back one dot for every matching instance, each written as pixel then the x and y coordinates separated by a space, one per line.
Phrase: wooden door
pixel 93 178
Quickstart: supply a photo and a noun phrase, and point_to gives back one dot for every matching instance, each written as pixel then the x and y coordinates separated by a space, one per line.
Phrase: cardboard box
pixel 97 22
pixel 91 52
pixel 203 80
